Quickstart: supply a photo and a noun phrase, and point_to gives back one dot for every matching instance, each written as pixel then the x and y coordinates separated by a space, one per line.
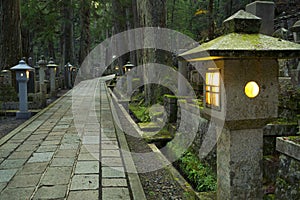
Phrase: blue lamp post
pixel 22 76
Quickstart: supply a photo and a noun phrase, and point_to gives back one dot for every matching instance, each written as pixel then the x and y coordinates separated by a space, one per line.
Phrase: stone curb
pixel 5 138
pixel 135 183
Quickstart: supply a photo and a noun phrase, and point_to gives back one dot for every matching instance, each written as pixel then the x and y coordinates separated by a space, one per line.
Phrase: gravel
pixel 7 124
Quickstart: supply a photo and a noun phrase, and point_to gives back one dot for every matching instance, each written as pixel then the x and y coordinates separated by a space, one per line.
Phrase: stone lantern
pixel 241 88
pixel 42 67
pixel 52 67
pixel 68 67
pixel 128 66
pixel 127 69
pixel 296 31
pixel 22 76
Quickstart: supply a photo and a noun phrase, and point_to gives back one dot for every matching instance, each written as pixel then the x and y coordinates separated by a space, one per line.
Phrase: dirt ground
pixel 7 124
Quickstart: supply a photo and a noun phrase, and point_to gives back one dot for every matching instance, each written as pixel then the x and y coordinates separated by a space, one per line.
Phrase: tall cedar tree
pixel 10 33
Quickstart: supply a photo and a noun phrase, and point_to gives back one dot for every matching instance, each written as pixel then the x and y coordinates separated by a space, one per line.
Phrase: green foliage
pixel 141 112
pixel 200 175
pixel 8 93
pixel 269 197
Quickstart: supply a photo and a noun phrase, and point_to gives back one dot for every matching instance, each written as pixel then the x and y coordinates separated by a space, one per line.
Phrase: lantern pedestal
pixel 239 164
pixel 23 102
pixel 129 84
pixel 52 83
pixel 23 115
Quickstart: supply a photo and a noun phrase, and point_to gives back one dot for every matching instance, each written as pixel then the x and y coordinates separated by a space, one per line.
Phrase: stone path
pixel 70 150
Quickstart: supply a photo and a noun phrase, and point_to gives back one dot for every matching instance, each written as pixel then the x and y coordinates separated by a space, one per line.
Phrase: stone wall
pixel 288 177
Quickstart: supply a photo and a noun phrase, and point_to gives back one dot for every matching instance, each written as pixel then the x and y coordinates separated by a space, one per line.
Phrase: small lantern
pixel 68 67
pixel 128 66
pixel 127 69
pixel 296 31
pixel 22 76
pixel 52 66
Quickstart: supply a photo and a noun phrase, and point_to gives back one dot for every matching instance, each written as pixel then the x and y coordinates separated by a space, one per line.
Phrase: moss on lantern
pixel 234 42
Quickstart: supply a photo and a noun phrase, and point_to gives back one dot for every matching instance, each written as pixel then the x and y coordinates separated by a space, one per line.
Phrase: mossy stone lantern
pixel 241 89
pixel 52 67
pixel 22 76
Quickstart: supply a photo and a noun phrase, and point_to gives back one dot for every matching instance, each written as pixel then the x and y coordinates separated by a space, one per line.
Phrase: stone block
pixel 115 193
pixel 34 168
pixel 112 162
pixel 88 156
pixel 62 162
pixel 79 195
pixel 113 172
pixel 110 153
pixel 120 182
pixel 69 153
pixel 41 157
pixel 7 174
pixel 266 11
pixel 87 167
pixel 12 164
pixel 17 193
pixel 47 148
pixel 20 155
pixel 20 181
pixel 57 176
pixel 85 182
pixel 51 192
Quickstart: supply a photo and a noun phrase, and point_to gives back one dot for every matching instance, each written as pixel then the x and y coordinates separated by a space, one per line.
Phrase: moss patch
pixel 140 112
pixel 199 175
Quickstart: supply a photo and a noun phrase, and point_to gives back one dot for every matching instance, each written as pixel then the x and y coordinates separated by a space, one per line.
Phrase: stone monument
pixel 246 63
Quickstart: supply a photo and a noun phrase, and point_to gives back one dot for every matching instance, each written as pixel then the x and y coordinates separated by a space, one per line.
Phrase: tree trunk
pixel 68 48
pixel 151 14
pixel 211 24
pixel 172 13
pixel 10 33
pixel 119 23
pixel 85 29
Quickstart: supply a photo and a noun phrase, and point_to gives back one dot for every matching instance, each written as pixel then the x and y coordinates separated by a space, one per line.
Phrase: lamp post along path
pixel 246 63
pixel 22 76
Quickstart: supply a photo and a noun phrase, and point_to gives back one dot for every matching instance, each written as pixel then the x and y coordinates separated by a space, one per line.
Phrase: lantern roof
pixel 129 64
pixel 22 66
pixel 245 45
pixel 243 40
pixel 51 64
pixel 296 27
pixel 242 22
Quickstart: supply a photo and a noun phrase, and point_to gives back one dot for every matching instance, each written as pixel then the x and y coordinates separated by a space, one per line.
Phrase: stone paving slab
pixel 54 155
pixel 17 193
pixel 79 195
pixel 115 193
